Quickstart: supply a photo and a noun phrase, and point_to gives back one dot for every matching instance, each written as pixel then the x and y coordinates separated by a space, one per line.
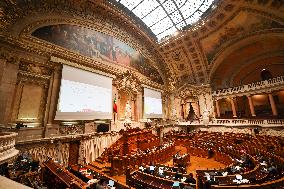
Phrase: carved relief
pixel 128 82
pixel 36 69
pixel 71 129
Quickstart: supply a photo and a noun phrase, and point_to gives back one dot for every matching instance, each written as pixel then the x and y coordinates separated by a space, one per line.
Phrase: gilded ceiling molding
pixel 190 39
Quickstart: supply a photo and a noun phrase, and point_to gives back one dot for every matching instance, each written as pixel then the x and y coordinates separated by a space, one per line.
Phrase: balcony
pixel 7 146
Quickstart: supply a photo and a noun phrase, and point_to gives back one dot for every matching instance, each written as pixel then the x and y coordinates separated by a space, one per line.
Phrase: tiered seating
pixel 235 145
pixel 60 177
pixel 131 140
pixel 119 164
pixel 139 179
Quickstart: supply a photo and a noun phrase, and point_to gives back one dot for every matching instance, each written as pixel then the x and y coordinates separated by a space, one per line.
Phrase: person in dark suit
pixel 190 179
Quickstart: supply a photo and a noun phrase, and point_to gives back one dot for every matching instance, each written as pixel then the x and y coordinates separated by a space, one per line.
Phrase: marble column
pixel 217 108
pixel 233 107
pixel 251 106
pixel 272 104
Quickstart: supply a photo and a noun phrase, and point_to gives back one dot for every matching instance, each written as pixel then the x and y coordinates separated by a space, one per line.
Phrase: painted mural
pixel 97 45
pixel 244 23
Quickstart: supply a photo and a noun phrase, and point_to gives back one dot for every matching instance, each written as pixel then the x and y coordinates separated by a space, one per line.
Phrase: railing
pixel 7 149
pixel 253 87
pixel 237 122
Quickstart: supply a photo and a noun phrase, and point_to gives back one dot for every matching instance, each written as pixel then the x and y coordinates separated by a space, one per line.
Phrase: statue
pixel 174 113
pixel 128 111
pixel 205 116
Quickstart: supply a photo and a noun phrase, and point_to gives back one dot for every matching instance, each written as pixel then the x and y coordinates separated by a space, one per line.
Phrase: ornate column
pixel 172 109
pixel 139 105
pixel 133 109
pixel 272 104
pixel 48 102
pixel 217 108
pixel 233 107
pixel 54 94
pixel 251 106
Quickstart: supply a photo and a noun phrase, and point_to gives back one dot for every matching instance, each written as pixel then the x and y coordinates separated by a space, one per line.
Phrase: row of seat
pixel 119 164
pixel 235 144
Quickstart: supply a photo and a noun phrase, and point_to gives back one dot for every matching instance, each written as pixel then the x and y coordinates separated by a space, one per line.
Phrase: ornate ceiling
pixel 214 51
pixel 194 55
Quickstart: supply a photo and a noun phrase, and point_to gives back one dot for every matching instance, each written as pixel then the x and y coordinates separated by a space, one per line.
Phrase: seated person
pixel 177 176
pixel 152 169
pixel 161 172
pixel 190 179
pixel 101 184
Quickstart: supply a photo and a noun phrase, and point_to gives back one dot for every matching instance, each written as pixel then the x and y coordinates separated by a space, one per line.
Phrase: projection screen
pixel 84 95
pixel 152 104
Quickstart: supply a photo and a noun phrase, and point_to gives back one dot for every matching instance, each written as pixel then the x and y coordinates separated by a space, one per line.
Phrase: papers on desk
pixel 238 168
pixel 243 181
pixel 92 181
pixel 239 180
pixel 225 174
pixel 263 163
pixel 207 176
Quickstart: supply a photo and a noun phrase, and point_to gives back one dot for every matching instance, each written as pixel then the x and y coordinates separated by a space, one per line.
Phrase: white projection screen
pixel 152 104
pixel 84 95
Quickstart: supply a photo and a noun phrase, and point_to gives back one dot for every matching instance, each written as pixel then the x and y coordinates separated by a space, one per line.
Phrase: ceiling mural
pixel 97 45
pixel 243 23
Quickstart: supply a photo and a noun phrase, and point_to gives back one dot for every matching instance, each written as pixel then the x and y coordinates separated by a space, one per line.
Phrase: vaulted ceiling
pixel 224 48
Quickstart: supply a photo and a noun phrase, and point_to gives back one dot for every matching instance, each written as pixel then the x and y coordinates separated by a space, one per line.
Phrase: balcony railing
pixel 258 87
pixel 238 122
pixel 7 146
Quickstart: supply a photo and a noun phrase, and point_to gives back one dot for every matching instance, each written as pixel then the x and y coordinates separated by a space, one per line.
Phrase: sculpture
pixel 128 111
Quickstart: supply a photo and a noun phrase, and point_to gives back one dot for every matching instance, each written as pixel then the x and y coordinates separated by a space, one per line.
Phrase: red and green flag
pixel 114 105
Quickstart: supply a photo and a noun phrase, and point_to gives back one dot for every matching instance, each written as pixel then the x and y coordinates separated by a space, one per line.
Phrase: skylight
pixel 165 17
